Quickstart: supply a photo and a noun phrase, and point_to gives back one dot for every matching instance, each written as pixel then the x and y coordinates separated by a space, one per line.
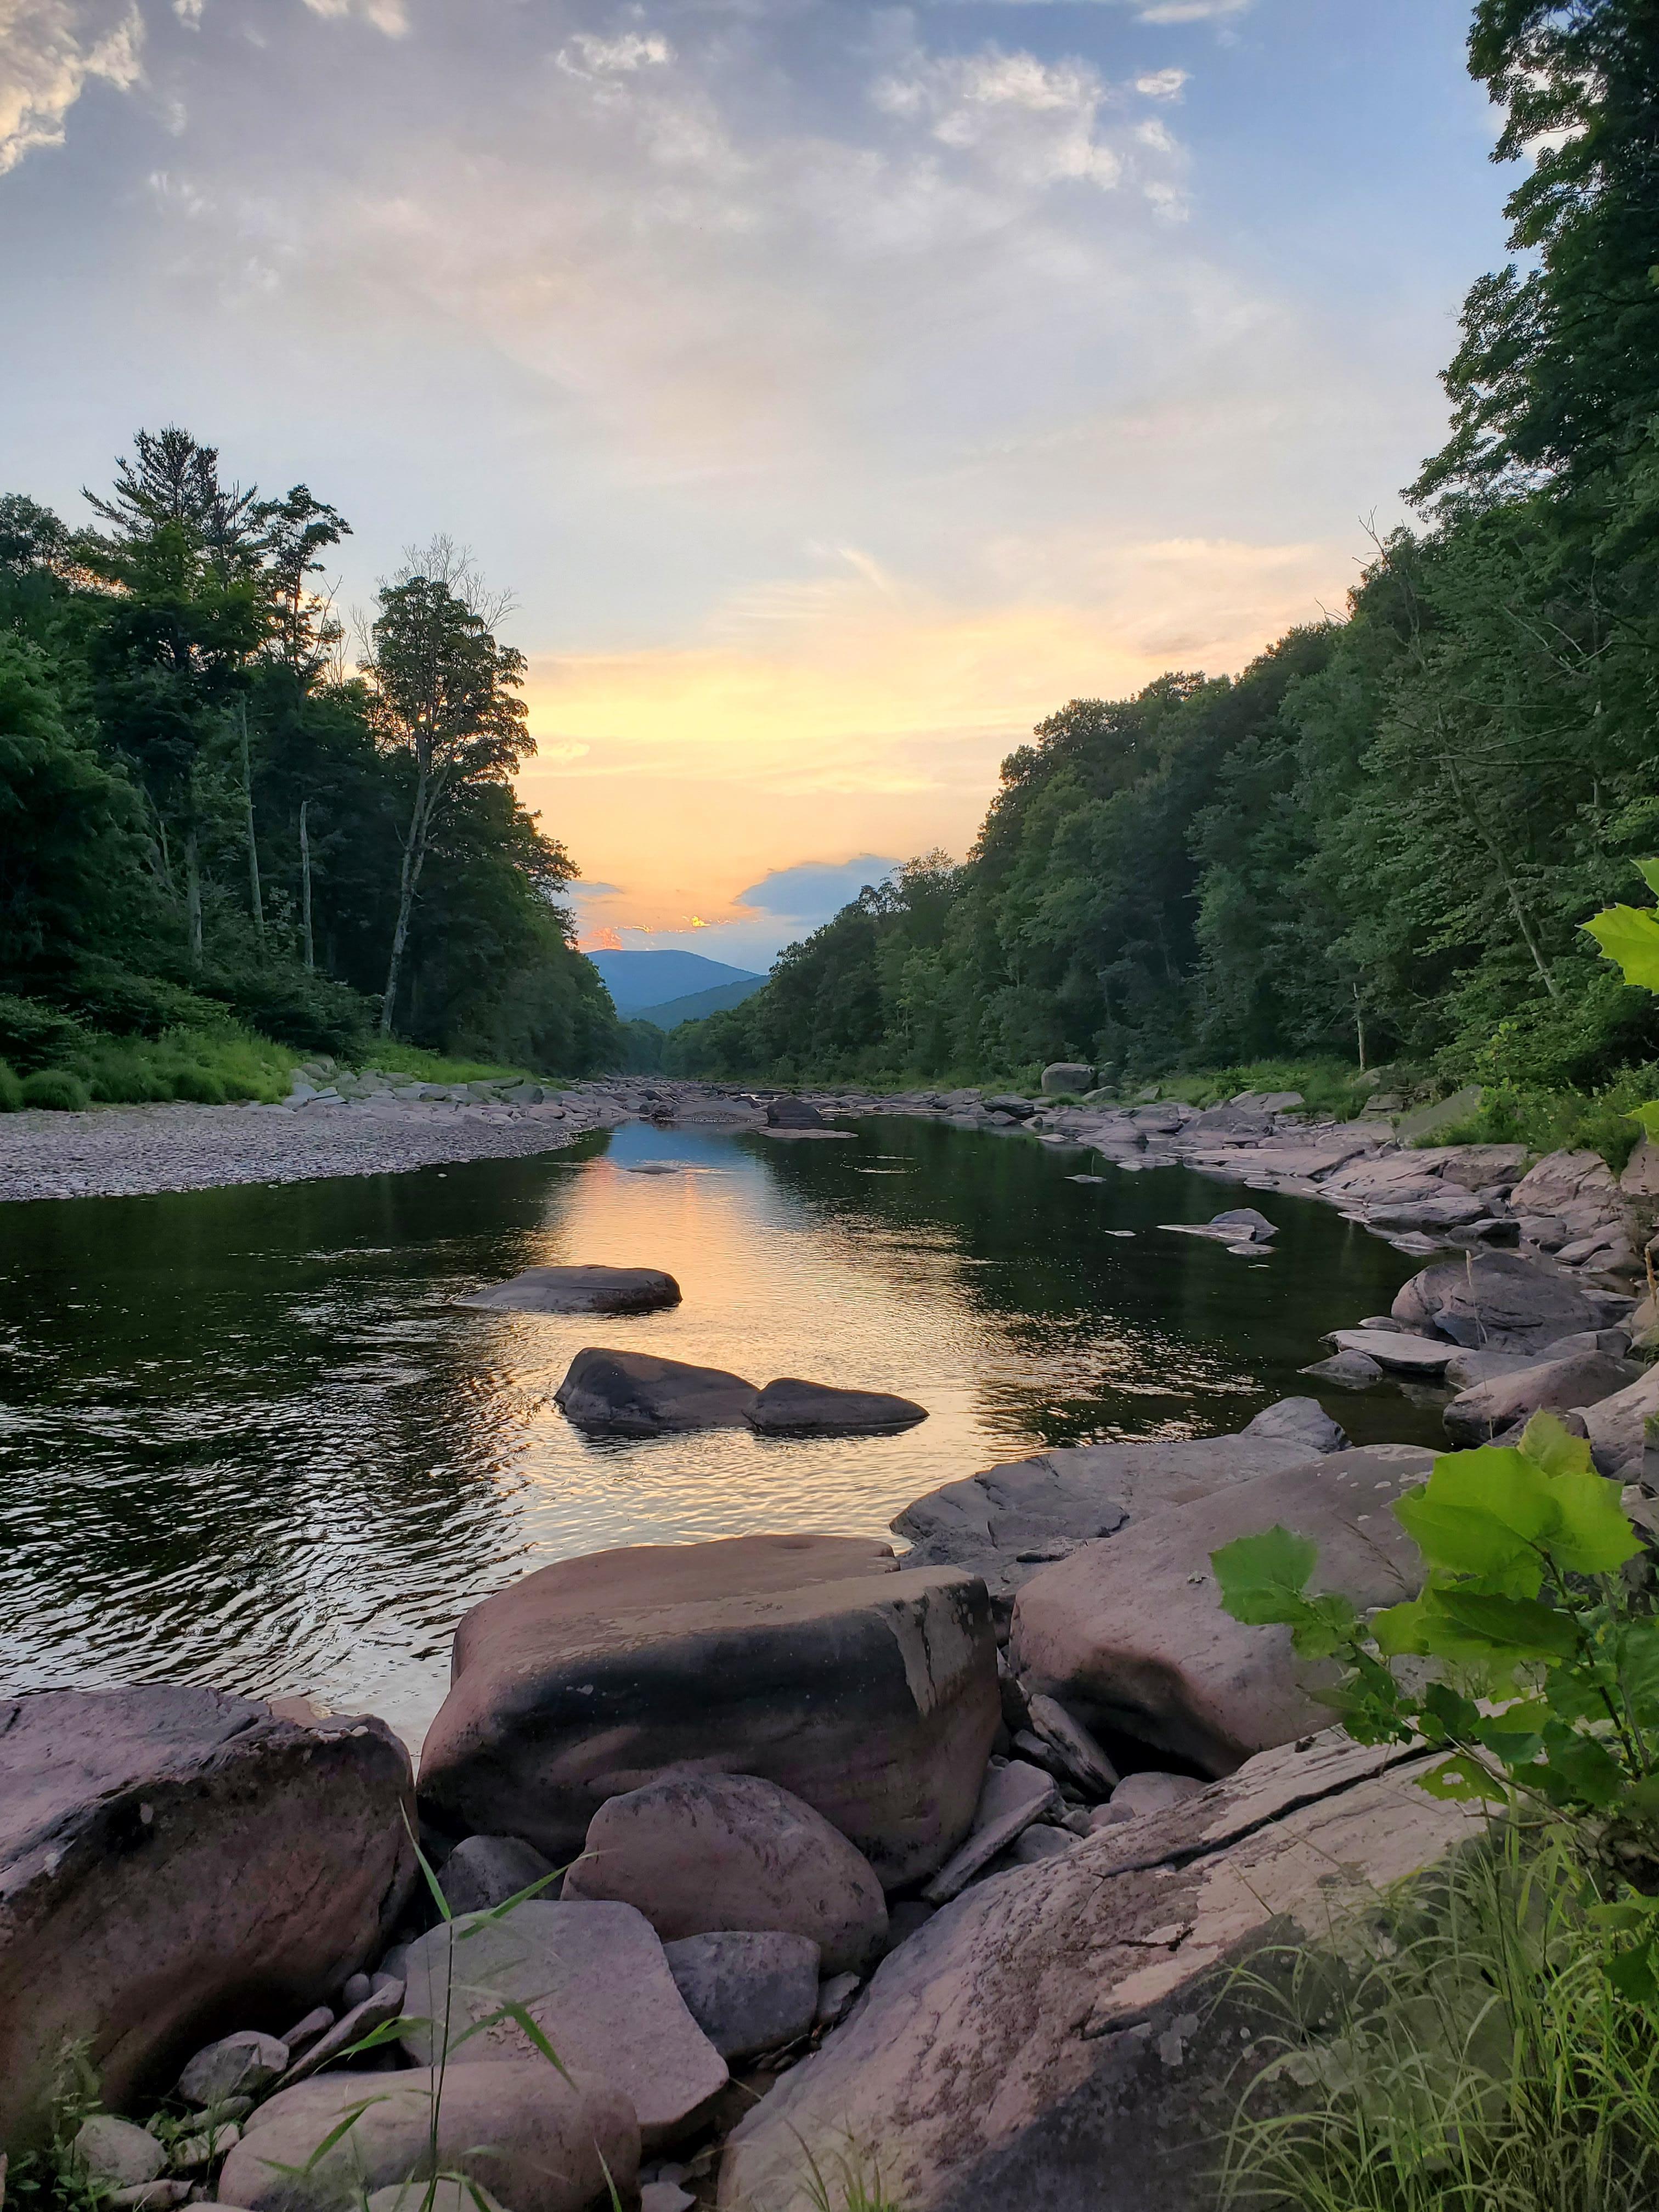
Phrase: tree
pixel 446 707
pixel 172 479
pixel 293 532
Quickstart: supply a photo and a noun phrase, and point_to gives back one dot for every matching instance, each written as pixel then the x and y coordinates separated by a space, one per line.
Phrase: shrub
pixel 113 998
pixel 56 1089
pixel 200 1086
pixel 33 1033
pixel 11 1090
pixel 310 1011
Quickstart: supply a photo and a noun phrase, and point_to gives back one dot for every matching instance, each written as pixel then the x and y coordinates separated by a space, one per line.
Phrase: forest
pixel 223 822
pixel 1379 842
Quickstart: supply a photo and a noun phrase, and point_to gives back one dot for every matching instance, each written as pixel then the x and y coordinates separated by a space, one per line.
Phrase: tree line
pixel 1380 841
pixel 210 809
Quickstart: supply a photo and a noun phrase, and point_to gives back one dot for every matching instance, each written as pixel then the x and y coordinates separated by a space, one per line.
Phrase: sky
pixel 838 388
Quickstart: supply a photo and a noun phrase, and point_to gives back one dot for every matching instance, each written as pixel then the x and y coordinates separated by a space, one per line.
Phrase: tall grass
pixel 1560 1121
pixel 1471 2055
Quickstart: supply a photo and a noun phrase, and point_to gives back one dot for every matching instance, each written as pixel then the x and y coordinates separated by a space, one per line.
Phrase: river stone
pixel 805 1660
pixel 116 2153
pixel 1576 1187
pixel 1132 1637
pixel 700 1852
pixel 1299 1421
pixel 1008 1522
pixel 1395 1349
pixel 1085 1762
pixel 788 1407
pixel 747 1991
pixel 239 2066
pixel 173 1861
pixel 1014 1795
pixel 793 1114
pixel 1246 1223
pixel 1495 1300
pixel 484 1871
pixel 535 2141
pixel 594 1980
pixel 1070 1076
pixel 442 2195
pixel 1584 1379
pixel 580 1290
pixel 1345 1371
pixel 1068 2035
pixel 1149 1791
pixel 634 1394
pixel 378 2009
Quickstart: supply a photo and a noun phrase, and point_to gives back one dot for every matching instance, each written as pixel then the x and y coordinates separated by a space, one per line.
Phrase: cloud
pixel 812 891
pixel 590 56
pixel 49 50
pixel 388 16
pixel 1031 122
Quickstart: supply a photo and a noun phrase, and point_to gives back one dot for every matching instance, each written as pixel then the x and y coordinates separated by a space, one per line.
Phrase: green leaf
pixel 1632 1973
pixel 1483 1513
pixel 1547 1443
pixel 1516 1627
pixel 1463 1779
pixel 1583 1768
pixel 1628 936
pixel 1261 1578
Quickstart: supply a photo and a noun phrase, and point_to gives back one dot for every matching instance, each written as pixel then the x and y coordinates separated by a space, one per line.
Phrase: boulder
pixel 1083 1762
pixel 805 1660
pixel 700 1852
pixel 240 2065
pixel 747 1992
pixel 1299 1421
pixel 594 1980
pixel 1132 1637
pixel 634 1394
pixel 793 1114
pixel 1494 1301
pixel 1149 1791
pixel 1246 1223
pixel 1016 1109
pixel 1583 1379
pixel 1617 1428
pixel 484 1871
pixel 114 2154
pixel 1345 1371
pixel 1070 1076
pixel 1068 2035
pixel 535 2141
pixel 1014 1795
pixel 1576 1189
pixel 1010 1522
pixel 788 1407
pixel 1395 1349
pixel 1446 1209
pixel 175 1863
pixel 1488 1169
pixel 579 1291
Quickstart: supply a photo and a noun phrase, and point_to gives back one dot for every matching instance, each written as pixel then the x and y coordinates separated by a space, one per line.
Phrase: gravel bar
pixel 124 1151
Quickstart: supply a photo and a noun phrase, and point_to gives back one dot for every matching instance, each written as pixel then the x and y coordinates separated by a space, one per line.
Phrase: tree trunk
pixel 255 901
pixel 193 898
pixel 414 854
pixel 305 888
pixel 1360 1027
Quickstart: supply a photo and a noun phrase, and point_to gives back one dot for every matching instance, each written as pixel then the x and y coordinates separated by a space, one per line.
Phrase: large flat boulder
pixel 1495 1300
pixel 594 1980
pixel 1067 2035
pixel 531 2138
pixel 1576 1189
pixel 1617 1428
pixel 634 1394
pixel 700 1852
pixel 1008 1522
pixel 176 1862
pixel 1130 1635
pixel 805 1660
pixel 579 1291
pixel 1487 1408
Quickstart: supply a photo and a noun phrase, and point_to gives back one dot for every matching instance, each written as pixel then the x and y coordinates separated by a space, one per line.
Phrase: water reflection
pixel 246 1436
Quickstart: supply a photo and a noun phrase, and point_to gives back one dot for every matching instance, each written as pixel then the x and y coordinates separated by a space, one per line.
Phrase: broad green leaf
pixel 1325 1625
pixel 1632 1973
pixel 1261 1578
pixel 1426 1628
pixel 1649 871
pixel 1594 1535
pixel 1648 1116
pixel 1642 1799
pixel 1635 1653
pixel 1584 1764
pixel 1628 936
pixel 1549 1444
pixel 1483 1513
pixel 1516 1627
pixel 1461 1779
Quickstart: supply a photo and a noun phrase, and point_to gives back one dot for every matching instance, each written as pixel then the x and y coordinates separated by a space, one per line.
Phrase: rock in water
pixel 803 1659
pixel 1066 2036
pixel 594 1980
pixel 697 1852
pixel 170 1857
pixel 484 1871
pixel 788 1407
pixel 580 1290
pixel 793 1113
pixel 1490 1408
pixel 534 2140
pixel 1130 1634
pixel 747 1992
pixel 1299 1421
pixel 632 1394
pixel 1494 1300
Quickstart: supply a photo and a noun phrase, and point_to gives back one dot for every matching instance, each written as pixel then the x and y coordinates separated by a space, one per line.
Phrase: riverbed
pixel 248 1438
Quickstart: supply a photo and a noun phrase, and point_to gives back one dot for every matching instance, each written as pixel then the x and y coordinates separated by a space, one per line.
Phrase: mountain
pixel 635 979
pixel 697 1003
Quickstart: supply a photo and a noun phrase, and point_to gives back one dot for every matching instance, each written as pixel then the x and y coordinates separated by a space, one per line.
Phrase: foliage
pixel 57 1089
pixel 1558 1121
pixel 1546 1682
pixel 203 813
pixel 11 1090
pixel 1463 2052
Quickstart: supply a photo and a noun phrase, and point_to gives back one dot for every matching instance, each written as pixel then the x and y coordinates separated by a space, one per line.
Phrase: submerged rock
pixel 788 1407
pixel 580 1290
pixel 805 1660
pixel 171 1858
pixel 634 1394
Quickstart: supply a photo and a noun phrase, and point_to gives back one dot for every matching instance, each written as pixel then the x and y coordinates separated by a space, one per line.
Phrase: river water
pixel 247 1438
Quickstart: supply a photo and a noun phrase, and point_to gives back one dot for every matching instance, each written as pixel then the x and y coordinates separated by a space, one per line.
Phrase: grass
pixel 1470 2055
pixel 1560 1121
pixel 1332 1089
pixel 394 1058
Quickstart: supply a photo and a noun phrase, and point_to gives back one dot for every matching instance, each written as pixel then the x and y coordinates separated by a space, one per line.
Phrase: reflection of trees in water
pixel 247 1421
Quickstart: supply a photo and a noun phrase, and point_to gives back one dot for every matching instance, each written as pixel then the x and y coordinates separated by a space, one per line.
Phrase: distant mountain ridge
pixel 697 1003
pixel 638 980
